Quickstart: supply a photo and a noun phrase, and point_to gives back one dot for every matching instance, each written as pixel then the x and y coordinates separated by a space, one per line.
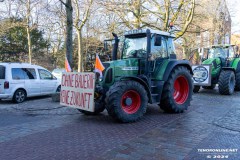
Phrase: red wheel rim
pixel 134 104
pixel 181 90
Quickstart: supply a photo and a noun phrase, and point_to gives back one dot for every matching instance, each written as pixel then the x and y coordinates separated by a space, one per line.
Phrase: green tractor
pixel 225 69
pixel 143 70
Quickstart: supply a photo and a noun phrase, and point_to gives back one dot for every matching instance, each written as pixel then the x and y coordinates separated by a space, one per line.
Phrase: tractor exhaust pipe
pixel 115 47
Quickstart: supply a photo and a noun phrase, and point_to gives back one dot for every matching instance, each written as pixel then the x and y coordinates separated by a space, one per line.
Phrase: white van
pixel 21 80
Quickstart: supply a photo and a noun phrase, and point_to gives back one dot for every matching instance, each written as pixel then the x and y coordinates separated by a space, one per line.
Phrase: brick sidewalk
pixel 63 133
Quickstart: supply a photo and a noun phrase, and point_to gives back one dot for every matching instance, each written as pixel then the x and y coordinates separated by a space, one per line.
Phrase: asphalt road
pixel 41 129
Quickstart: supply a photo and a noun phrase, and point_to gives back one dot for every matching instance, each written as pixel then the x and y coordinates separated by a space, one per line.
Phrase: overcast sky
pixel 234 8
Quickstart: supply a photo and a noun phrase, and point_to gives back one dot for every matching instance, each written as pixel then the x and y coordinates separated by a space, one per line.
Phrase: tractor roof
pixel 141 31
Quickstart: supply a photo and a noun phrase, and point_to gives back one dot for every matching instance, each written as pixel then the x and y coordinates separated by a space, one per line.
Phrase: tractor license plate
pixel 77 90
pixel 202 75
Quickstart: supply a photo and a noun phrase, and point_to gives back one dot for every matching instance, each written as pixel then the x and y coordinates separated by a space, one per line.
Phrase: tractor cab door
pixel 159 51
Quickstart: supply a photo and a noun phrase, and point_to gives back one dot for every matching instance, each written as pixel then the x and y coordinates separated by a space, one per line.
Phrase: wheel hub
pixel 128 101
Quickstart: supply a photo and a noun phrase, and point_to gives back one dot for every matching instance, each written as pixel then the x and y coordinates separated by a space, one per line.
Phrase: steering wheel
pixel 132 54
pixel 137 53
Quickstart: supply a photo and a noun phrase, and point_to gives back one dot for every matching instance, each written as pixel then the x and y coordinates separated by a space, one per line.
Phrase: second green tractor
pixel 225 69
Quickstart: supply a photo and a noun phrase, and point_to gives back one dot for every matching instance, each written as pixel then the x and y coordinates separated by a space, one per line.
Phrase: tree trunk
pixel 28 33
pixel 69 41
pixel 80 50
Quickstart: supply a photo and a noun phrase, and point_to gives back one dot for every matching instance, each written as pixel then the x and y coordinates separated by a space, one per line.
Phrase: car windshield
pixel 135 47
pixel 217 52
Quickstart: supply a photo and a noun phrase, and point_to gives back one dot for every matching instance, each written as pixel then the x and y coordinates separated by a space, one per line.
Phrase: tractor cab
pixel 141 49
pixel 222 53
pixel 148 44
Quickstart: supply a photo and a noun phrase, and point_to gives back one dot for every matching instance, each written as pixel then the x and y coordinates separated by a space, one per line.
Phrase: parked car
pixel 58 72
pixel 21 80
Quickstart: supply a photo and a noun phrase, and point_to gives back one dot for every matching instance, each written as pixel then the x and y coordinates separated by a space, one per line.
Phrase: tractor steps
pixel 155 91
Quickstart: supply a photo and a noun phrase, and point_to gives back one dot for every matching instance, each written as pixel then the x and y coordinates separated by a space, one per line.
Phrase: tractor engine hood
pixel 126 67
pixel 209 61
pixel 119 68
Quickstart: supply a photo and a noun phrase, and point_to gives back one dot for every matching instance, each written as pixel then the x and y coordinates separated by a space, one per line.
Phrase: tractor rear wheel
pixel 99 107
pixel 196 89
pixel 226 82
pixel 126 101
pixel 177 91
pixel 209 87
pixel 237 87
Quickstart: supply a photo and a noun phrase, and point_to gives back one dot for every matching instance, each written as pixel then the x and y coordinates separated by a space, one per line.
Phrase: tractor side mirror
pixel 157 40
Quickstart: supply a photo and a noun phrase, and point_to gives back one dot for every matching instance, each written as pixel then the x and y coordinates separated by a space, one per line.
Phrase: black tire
pixel 226 82
pixel 209 87
pixel 196 89
pixel 19 96
pixel 177 91
pixel 99 107
pixel 126 101
pixel 237 87
pixel 58 89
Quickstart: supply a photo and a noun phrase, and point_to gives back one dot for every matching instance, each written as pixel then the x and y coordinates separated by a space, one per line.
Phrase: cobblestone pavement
pixel 41 129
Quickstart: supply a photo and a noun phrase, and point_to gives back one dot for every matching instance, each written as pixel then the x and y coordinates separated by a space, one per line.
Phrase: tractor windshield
pixel 230 52
pixel 135 47
pixel 217 52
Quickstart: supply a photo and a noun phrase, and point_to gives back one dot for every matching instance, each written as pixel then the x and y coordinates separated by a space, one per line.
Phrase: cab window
pixel 231 52
pixel 45 74
pixel 159 51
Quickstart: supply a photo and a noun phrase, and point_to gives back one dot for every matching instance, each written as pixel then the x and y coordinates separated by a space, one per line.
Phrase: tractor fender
pixel 229 68
pixel 238 67
pixel 174 63
pixel 141 81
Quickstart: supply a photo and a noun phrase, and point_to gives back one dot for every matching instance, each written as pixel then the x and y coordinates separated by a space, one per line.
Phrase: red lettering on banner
pixel 76 81
pixel 89 98
pixel 82 101
pixel 64 96
pixel 72 79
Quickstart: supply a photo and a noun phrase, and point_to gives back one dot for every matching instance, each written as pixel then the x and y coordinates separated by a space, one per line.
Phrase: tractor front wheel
pixel 177 91
pixel 99 107
pixel 126 101
pixel 226 82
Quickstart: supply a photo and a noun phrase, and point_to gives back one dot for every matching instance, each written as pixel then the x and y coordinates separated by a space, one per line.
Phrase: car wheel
pixel 19 96
pixel 58 89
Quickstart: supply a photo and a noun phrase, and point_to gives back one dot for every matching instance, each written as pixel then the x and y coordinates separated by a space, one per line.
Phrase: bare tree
pixel 28 31
pixel 69 30
pixel 80 22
